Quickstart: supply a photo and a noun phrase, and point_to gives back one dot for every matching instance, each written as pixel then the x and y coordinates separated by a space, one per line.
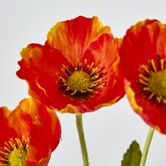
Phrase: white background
pixel 110 130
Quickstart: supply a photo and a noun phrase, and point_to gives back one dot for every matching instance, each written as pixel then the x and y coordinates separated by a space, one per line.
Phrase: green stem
pixel 82 139
pixel 146 146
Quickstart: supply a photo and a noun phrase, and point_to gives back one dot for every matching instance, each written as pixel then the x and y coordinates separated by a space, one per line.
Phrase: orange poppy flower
pixel 143 54
pixel 77 68
pixel 28 134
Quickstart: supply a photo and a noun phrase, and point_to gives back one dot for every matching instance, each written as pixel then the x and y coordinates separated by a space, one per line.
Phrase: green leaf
pixel 133 155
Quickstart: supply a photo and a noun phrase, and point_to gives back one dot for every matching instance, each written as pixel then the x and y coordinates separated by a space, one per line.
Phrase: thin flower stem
pixel 82 139
pixel 146 146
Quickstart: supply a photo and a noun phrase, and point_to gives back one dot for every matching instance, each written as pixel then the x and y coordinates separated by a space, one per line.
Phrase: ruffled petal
pixel 142 42
pixel 73 37
pixel 39 118
pixel 40 67
pixel 152 113
pixel 6 131
pixel 105 54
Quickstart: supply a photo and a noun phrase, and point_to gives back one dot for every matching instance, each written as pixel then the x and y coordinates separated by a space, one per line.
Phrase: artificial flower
pixel 28 134
pixel 77 69
pixel 143 57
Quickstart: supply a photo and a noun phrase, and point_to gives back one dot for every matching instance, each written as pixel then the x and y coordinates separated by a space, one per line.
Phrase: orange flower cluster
pixel 80 68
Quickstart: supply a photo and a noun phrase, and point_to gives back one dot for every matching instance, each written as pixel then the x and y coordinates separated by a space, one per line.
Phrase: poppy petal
pixel 73 37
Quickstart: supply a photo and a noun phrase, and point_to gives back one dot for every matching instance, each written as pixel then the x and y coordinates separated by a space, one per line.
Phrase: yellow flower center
pixel 153 79
pixel 81 81
pixel 157 83
pixel 17 157
pixel 14 152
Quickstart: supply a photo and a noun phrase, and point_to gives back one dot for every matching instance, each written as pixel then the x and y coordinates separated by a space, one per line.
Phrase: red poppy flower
pixel 143 54
pixel 28 134
pixel 77 68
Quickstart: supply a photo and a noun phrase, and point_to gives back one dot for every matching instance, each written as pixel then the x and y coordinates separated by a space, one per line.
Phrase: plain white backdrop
pixel 110 130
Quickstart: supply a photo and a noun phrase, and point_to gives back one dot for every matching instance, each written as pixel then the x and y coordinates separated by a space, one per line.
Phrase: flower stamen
pixel 80 81
pixel 14 152
pixel 152 77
